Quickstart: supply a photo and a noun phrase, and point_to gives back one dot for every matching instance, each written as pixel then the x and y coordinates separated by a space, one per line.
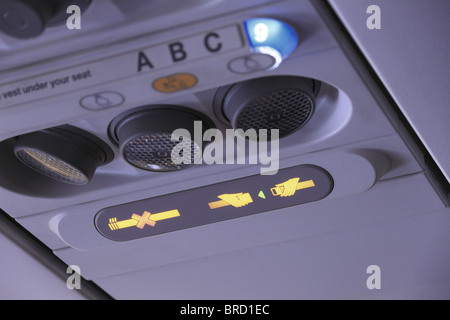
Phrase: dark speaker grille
pixel 153 152
pixel 285 109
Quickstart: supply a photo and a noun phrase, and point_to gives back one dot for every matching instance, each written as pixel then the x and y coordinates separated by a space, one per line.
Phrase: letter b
pixel 227 309
pixel 177 52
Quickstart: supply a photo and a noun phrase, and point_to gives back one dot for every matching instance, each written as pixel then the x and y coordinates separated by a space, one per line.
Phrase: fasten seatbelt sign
pixel 223 201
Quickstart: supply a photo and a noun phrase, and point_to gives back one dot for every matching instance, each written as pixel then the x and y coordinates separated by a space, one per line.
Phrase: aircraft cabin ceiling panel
pixel 121 148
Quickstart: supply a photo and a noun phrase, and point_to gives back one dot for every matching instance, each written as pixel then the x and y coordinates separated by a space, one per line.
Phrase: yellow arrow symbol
pixel 140 221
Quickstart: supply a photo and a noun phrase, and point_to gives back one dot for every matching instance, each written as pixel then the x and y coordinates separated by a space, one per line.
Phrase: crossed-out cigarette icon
pixel 141 221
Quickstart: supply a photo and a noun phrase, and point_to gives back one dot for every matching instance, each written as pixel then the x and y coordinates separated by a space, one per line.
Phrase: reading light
pixel 64 153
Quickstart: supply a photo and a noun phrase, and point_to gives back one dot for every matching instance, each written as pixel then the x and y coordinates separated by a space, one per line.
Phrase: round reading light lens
pixel 65 153
pixel 52 167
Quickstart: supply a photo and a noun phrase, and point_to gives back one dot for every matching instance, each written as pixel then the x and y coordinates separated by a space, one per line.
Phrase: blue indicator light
pixel 270 36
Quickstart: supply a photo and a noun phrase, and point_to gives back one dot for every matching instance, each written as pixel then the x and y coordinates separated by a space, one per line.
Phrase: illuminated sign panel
pixel 214 203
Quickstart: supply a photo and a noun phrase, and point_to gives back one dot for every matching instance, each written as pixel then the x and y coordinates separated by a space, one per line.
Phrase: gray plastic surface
pixel 381 182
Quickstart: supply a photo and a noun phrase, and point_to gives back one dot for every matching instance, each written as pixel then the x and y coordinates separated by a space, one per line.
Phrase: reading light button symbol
pixel 251 63
pixel 141 221
pixel 231 199
pixel 289 187
pixel 102 100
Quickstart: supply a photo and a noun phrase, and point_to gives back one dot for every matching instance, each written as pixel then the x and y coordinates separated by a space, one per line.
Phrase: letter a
pixel 374 281
pixel 181 152
pixel 374 21
pixel 143 61
pixel 74 21
pixel 74 281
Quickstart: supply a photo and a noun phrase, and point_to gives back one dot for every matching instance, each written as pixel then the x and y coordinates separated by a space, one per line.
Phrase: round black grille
pixel 154 152
pixel 147 136
pixel 283 103
pixel 285 110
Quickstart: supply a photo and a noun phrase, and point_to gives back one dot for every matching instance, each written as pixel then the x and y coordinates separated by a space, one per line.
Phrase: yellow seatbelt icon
pixel 141 221
pixel 289 187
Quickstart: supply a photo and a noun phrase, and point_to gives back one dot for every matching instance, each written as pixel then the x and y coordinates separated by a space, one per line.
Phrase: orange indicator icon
pixel 231 199
pixel 141 221
pixel 175 82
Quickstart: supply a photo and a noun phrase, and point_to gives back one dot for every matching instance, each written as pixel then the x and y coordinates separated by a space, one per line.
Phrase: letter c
pixel 208 45
pixel 264 309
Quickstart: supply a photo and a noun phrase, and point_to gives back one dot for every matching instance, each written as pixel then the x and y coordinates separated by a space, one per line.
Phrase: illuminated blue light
pixel 271 36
